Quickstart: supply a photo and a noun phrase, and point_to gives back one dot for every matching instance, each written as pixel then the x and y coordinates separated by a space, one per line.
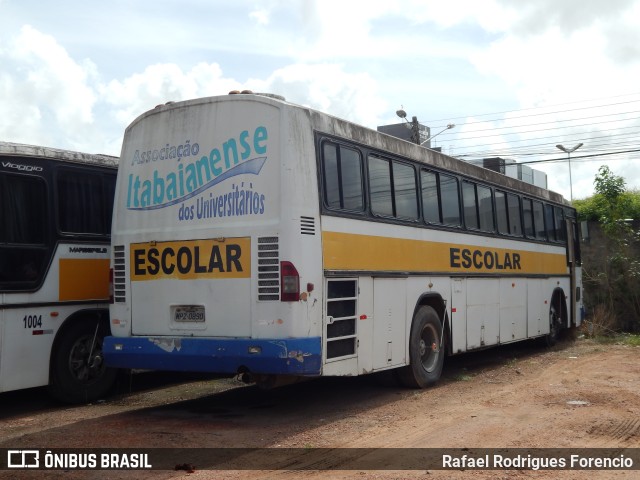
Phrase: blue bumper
pixel 288 356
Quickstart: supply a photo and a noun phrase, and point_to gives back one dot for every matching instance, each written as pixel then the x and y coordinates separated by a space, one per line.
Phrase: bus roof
pixel 9 149
pixel 328 124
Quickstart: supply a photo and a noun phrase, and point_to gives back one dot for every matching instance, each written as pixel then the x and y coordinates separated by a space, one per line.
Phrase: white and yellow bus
pixel 55 222
pixel 252 236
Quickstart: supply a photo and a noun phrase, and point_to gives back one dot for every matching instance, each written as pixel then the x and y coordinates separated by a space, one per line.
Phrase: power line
pixel 538 108
pixel 573 159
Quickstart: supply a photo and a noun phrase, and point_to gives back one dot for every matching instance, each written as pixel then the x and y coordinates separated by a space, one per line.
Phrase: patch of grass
pixel 619 339
pixel 512 363
pixel 631 339
pixel 463 376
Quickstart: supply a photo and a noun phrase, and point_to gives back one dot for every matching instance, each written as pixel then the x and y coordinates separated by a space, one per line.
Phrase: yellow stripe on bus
pixel 83 279
pixel 191 259
pixel 347 251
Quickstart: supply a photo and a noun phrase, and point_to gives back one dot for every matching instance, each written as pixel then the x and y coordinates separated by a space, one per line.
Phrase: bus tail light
pixel 289 282
pixel 111 285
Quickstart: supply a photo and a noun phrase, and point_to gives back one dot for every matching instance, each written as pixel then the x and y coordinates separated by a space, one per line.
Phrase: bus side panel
pixel 389 322
pixel 78 273
pixel 458 315
pixel 365 325
pixel 483 312
pixel 26 345
pixel 536 317
pixel 513 309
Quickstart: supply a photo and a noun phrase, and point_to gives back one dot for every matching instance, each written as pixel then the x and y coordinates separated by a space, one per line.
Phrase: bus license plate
pixel 191 313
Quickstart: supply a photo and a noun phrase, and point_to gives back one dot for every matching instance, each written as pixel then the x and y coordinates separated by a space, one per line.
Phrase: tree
pixel 612 278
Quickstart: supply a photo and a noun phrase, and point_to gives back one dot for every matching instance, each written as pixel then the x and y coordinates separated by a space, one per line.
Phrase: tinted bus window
pixel 84 204
pixel 469 205
pixel 342 169
pixel 430 201
pixel 559 219
pixel 405 191
pixel 538 218
pixel 393 189
pixel 450 198
pixel 501 212
pixel 485 209
pixel 23 252
pixel 549 222
pixel 515 221
pixel 527 216
pixel 380 186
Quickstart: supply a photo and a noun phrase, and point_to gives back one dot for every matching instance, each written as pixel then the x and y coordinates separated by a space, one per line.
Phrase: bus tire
pixel 78 373
pixel 555 326
pixel 426 351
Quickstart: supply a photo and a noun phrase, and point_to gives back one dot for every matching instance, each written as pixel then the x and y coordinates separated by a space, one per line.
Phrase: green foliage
pixel 611 204
pixel 612 279
pixel 608 185
pixel 595 207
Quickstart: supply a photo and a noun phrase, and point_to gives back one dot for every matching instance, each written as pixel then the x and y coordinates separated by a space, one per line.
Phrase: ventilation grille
pixel 307 226
pixel 268 269
pixel 342 305
pixel 119 275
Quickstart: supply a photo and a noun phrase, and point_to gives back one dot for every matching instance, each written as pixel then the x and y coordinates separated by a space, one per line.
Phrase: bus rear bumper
pixel 286 356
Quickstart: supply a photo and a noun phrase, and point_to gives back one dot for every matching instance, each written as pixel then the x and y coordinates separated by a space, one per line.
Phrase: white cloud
pixel 328 88
pixel 44 91
pixel 260 16
pixel 53 76
pixel 162 83
pixel 358 60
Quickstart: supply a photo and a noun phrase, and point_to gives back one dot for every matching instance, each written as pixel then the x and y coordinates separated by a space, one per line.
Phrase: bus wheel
pixel 78 372
pixel 554 326
pixel 426 353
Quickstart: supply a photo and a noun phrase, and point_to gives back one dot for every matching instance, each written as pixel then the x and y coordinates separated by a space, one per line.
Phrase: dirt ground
pixel 579 394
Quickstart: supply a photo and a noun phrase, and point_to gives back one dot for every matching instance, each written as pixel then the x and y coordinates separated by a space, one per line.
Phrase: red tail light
pixel 111 291
pixel 289 283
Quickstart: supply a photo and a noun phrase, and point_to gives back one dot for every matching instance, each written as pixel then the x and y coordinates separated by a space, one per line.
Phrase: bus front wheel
pixel 78 372
pixel 426 350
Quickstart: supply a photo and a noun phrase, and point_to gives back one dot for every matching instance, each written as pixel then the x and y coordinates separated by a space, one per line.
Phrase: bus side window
pixel 380 186
pixel 485 209
pixel 527 216
pixel 478 207
pixel 440 198
pixel 501 212
pixel 23 219
pixel 430 200
pixel 342 172
pixel 469 204
pixel 515 220
pixel 405 191
pixel 450 200
pixel 538 218
pixel 561 233
pixel 82 202
pixel 550 223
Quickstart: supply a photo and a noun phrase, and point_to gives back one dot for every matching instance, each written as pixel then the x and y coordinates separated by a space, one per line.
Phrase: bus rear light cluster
pixel 289 282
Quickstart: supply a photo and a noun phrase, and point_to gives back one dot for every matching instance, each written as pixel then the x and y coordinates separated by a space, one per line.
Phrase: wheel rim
pixel 553 320
pixel 85 359
pixel 429 348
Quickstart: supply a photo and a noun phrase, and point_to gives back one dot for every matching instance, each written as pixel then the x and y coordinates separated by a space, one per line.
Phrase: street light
pixel 448 127
pixel 414 126
pixel 569 151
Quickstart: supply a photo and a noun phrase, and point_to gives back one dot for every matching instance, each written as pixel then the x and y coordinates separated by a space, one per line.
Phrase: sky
pixel 515 77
